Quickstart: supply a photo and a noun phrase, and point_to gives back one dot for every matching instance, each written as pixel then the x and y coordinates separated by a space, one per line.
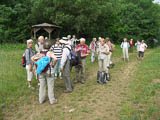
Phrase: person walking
pixel 125 46
pixel 80 69
pixel 29 63
pixel 93 49
pixel 57 50
pixel 142 49
pixel 65 65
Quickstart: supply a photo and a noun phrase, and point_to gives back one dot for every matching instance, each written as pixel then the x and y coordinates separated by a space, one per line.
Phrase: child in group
pixel 103 52
pixel 29 63
pixel 125 46
pixel 93 49
pixel 142 48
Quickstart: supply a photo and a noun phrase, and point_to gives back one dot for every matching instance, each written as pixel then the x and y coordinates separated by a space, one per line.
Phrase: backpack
pixel 43 64
pixel 102 77
pixel 23 61
pixel 75 59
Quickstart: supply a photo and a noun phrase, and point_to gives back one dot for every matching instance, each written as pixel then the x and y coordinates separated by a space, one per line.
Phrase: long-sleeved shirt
pixel 65 55
pixel 28 54
pixel 142 47
pixel 125 45
pixel 39 47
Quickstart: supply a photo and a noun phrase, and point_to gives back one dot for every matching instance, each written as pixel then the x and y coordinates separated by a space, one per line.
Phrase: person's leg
pixel 127 54
pixel 42 88
pixel 29 75
pixel 50 82
pixel 55 70
pixel 58 68
pixel 83 71
pixel 100 65
pixel 77 69
pixel 124 53
pixel 67 77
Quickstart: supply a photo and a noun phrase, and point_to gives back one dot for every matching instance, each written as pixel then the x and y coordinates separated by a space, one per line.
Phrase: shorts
pixel 141 54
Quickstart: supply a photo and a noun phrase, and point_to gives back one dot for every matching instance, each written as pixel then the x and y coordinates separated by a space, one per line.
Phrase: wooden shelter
pixel 47 27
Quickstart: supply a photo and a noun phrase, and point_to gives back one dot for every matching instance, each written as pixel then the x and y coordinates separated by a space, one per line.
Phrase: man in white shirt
pixel 142 48
pixel 65 65
pixel 39 45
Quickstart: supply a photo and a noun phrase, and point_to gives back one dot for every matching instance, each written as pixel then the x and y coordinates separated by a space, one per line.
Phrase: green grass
pixel 143 91
pixel 85 99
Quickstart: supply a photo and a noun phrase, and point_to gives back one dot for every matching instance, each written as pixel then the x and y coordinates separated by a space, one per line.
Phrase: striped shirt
pixel 57 50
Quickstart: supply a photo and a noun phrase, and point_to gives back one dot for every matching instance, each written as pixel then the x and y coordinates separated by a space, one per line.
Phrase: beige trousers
pixel 125 53
pixel 44 79
pixel 103 64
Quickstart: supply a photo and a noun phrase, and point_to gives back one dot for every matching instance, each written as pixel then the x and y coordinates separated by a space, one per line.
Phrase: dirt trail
pixel 100 102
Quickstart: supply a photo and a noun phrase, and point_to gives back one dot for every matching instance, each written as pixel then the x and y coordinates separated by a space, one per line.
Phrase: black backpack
pixel 75 59
pixel 102 77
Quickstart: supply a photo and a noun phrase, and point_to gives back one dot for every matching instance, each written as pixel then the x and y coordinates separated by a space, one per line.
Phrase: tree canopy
pixel 137 19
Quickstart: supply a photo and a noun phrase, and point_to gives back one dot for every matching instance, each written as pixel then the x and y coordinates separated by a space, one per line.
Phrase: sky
pixel 157 1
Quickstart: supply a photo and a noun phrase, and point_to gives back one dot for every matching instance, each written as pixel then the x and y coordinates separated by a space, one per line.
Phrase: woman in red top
pixel 131 43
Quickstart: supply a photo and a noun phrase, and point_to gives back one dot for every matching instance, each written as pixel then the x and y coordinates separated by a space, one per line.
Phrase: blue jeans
pixel 57 66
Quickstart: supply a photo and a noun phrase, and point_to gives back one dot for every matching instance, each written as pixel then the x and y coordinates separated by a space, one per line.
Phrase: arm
pixel 28 59
pixel 64 57
pixel 122 45
pixel 37 49
pixel 54 58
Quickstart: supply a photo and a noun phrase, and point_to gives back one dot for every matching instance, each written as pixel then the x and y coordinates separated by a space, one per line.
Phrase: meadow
pixel 132 93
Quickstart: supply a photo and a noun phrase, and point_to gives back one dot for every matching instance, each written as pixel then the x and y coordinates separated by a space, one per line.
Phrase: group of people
pixel 141 47
pixel 60 55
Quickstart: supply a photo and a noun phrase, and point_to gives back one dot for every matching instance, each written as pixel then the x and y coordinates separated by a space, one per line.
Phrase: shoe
pixel 76 81
pixel 67 91
pixel 55 77
pixel 112 65
pixel 31 87
pixel 54 102
pixel 82 81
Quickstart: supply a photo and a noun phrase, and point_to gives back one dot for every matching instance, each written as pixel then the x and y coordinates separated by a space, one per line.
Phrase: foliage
pixel 137 19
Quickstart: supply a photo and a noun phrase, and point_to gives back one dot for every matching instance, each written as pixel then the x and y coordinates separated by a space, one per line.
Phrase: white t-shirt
pixel 142 47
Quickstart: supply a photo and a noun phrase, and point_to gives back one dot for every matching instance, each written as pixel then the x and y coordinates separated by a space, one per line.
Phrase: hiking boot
pixel 60 77
pixel 76 81
pixel 54 102
pixel 82 81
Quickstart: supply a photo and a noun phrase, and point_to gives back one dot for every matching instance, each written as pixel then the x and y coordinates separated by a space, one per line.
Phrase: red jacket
pixel 131 43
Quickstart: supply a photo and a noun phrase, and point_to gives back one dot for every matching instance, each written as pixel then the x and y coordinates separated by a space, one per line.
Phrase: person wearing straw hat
pixel 29 63
pixel 65 65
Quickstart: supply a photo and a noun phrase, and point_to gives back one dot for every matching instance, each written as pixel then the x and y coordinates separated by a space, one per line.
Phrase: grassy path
pixel 90 101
